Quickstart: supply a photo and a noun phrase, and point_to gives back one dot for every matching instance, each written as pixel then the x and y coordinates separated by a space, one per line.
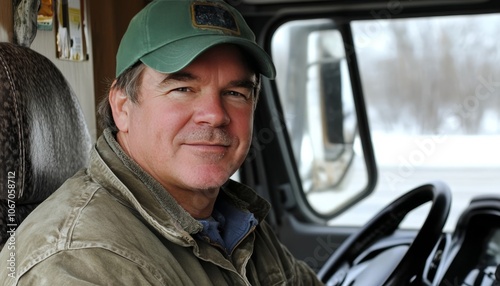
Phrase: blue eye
pixel 233 93
pixel 182 89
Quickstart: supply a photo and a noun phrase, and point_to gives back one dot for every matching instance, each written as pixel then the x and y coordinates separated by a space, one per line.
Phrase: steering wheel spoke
pixel 409 261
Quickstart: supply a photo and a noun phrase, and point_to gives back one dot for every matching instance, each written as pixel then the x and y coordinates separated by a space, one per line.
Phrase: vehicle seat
pixel 43 135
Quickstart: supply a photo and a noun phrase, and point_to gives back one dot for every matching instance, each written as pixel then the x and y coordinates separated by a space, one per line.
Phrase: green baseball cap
pixel 167 35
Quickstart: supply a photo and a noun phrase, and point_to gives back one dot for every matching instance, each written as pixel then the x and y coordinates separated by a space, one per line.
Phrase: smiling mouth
pixel 208 152
pixel 208 147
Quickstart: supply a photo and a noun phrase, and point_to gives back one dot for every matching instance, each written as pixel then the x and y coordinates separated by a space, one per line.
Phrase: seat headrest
pixel 43 135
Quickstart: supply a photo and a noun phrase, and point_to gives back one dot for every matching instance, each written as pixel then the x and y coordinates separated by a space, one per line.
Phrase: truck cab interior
pixel 377 143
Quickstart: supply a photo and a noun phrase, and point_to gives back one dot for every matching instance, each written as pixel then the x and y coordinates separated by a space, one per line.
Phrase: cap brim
pixel 177 55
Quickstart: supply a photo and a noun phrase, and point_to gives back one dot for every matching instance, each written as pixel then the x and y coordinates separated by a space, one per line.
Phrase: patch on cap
pixel 212 16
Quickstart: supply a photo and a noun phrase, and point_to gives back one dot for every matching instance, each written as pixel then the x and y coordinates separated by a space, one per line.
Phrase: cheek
pixel 153 115
pixel 144 124
pixel 243 127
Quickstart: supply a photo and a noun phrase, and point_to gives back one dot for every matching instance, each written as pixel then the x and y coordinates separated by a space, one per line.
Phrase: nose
pixel 210 110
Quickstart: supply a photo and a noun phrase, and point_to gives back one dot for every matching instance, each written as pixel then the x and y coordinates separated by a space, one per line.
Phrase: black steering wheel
pixel 411 259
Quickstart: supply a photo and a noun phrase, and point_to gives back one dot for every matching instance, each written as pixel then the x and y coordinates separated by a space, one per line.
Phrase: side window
pixel 432 91
pixel 315 92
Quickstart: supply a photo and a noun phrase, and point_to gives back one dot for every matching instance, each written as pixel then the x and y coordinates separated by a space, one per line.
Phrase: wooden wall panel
pixel 6 21
pixel 106 23
pixel 109 20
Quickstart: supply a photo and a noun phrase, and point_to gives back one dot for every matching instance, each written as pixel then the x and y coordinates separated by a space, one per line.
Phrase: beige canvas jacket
pixel 112 224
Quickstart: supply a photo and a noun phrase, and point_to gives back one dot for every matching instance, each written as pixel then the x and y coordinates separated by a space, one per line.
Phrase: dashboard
pixel 471 255
pixel 468 256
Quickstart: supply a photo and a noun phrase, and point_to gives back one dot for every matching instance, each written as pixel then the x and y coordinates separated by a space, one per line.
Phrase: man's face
pixel 191 130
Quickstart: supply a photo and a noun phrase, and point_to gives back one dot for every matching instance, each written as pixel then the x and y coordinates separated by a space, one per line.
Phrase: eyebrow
pixel 179 76
pixel 246 83
pixel 186 76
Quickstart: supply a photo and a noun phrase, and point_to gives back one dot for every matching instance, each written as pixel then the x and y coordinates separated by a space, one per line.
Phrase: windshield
pixel 432 91
pixel 432 88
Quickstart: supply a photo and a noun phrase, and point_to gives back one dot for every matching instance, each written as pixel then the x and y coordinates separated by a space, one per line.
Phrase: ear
pixel 120 107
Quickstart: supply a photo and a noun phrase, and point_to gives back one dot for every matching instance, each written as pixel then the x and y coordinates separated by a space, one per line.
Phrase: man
pixel 156 206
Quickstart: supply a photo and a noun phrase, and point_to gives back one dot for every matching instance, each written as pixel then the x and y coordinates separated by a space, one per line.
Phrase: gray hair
pixel 129 82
